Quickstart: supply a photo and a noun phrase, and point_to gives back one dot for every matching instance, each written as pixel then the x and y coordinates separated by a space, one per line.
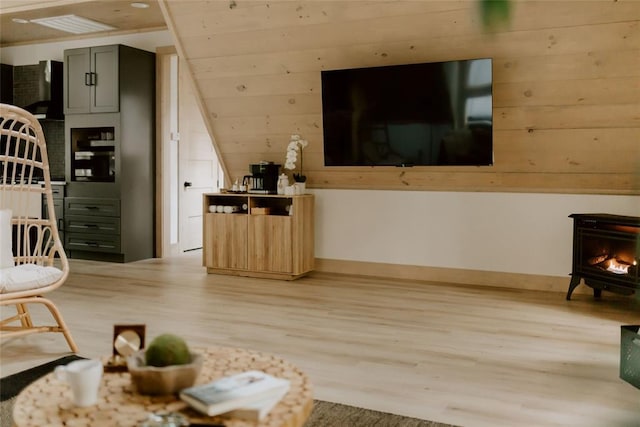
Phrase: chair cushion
pixel 27 276
pixel 6 253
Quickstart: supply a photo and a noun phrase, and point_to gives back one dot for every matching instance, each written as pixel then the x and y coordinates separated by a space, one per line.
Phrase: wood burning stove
pixel 605 253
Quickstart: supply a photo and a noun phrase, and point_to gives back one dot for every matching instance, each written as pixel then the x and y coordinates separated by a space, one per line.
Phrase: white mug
pixel 84 378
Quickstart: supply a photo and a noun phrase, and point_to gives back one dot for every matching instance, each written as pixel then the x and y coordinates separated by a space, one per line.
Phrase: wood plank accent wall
pixel 566 85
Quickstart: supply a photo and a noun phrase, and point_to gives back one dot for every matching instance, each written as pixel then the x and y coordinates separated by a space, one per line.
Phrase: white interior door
pixel 198 165
pixel 187 157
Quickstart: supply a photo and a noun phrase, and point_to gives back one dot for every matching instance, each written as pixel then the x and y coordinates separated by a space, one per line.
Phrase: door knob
pixel 187 184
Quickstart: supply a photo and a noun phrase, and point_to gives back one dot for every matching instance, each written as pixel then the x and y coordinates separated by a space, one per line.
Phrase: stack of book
pixel 249 395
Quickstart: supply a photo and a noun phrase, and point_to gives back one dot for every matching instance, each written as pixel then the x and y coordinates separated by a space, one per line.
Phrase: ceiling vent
pixel 73 24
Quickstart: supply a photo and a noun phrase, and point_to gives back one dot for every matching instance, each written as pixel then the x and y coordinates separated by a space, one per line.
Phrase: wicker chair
pixel 32 260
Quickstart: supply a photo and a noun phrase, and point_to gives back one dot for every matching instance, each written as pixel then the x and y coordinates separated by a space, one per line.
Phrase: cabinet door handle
pixel 94 79
pixel 87 79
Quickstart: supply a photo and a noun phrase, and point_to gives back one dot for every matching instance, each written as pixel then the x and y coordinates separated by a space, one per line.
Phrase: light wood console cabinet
pixel 268 236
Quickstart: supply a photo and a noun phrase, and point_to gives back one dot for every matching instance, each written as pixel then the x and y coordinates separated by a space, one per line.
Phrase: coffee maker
pixel 263 178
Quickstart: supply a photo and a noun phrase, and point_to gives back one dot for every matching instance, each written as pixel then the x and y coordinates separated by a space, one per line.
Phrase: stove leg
pixel 575 281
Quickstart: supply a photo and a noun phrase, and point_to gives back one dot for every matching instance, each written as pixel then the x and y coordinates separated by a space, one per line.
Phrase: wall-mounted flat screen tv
pixel 437 113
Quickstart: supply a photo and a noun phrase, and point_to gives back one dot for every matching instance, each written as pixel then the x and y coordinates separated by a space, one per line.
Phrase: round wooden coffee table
pixel 47 401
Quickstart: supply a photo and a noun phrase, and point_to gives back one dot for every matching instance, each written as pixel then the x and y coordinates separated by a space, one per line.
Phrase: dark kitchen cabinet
pixel 93 224
pixel 109 164
pixel 6 84
pixel 57 190
pixel 92 77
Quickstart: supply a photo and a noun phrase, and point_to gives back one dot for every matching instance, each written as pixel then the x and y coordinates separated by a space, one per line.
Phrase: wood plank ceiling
pixel 565 81
pixel 117 13
pixel 566 111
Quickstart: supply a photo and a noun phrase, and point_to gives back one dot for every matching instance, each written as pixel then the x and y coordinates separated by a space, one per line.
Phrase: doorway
pixel 188 165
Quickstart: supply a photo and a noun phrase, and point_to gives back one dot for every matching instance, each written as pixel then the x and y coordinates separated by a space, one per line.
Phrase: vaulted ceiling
pixel 564 84
pixel 564 81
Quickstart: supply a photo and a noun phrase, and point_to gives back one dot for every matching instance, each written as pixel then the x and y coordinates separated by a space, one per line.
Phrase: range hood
pixel 50 91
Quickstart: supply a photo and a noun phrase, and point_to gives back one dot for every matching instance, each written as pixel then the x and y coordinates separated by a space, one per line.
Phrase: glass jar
pixel 283 182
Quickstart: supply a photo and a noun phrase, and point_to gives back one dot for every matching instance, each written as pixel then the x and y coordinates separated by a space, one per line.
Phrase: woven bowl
pixel 171 379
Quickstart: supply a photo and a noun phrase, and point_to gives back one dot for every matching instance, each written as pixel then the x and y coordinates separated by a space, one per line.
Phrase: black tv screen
pixel 437 113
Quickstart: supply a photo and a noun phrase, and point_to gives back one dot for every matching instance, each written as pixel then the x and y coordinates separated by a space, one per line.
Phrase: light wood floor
pixel 471 356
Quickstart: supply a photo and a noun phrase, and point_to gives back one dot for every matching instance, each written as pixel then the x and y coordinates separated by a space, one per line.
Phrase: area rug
pixel 12 385
pixel 328 414
pixel 324 414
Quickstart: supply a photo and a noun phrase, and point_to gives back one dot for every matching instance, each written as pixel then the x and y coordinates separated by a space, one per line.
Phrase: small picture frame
pixel 127 339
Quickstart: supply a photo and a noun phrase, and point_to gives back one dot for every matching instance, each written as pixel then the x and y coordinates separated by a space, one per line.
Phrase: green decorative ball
pixel 166 350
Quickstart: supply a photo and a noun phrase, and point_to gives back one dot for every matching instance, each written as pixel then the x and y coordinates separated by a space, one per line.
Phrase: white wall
pixel 32 54
pixel 504 232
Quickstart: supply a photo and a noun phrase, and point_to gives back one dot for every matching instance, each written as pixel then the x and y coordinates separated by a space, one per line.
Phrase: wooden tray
pixel 260 211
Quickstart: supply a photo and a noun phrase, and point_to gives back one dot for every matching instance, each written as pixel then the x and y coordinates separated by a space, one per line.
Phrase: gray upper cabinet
pixel 92 80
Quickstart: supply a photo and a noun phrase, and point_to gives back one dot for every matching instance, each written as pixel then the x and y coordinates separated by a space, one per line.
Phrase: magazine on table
pixel 257 410
pixel 251 390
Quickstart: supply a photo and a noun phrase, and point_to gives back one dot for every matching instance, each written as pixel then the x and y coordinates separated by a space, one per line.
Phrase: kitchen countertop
pixel 54 182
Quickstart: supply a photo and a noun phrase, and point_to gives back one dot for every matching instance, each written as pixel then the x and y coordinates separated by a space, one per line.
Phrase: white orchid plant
pixel 296 145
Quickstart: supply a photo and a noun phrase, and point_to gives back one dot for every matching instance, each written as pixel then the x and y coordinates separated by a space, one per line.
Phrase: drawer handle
pixel 92 208
pixel 91 226
pixel 94 244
